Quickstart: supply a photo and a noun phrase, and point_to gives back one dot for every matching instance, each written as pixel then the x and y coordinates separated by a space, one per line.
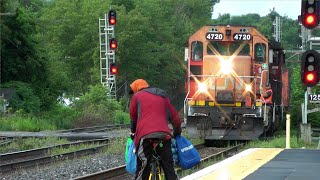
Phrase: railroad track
pixel 5 142
pixel 96 128
pixel 121 173
pixel 39 156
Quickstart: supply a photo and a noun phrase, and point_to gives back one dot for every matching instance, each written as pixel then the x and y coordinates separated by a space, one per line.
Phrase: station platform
pixel 264 164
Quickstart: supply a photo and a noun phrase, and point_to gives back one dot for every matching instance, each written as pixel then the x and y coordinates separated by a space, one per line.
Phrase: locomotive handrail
pixel 258 77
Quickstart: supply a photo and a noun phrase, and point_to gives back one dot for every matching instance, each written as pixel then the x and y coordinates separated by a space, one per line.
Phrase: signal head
pixel 112 16
pixel 310 13
pixel 113 69
pixel 113 44
pixel 310 68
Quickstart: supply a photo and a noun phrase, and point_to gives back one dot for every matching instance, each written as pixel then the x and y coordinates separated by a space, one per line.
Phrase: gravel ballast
pixel 68 169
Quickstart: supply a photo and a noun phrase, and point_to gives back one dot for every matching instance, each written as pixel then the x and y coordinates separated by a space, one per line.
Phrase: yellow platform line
pixel 239 167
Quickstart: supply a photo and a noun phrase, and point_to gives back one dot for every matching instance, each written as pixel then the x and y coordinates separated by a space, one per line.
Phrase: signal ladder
pixel 107 56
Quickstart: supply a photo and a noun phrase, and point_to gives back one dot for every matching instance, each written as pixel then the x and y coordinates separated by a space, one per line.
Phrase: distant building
pixel 5 96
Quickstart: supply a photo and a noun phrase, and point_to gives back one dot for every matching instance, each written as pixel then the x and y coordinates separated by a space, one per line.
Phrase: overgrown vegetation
pixel 30 143
pixel 93 108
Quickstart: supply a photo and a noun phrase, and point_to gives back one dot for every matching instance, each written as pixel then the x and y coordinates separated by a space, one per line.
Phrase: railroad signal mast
pixel 108 46
pixel 310 62
pixel 310 59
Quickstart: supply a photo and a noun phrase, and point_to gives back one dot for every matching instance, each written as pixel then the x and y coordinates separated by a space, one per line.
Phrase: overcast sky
pixel 291 8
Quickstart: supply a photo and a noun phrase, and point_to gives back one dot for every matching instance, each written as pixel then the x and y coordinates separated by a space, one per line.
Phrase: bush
pixel 121 118
pixel 95 107
pixel 61 116
pixel 24 123
pixel 24 97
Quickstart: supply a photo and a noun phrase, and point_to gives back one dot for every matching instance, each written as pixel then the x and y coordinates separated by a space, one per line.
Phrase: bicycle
pixel 155 173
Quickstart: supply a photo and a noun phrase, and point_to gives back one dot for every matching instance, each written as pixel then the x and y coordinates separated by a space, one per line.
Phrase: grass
pixel 116 146
pixel 30 143
pixel 71 148
pixel 20 123
pixel 279 141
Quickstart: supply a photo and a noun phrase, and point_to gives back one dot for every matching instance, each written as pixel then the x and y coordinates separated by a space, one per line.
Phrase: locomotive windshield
pixel 228 48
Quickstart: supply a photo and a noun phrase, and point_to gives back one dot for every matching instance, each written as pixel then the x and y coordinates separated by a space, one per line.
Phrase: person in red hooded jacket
pixel 150 112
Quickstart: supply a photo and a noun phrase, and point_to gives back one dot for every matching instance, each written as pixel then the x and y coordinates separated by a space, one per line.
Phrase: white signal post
pixel 107 55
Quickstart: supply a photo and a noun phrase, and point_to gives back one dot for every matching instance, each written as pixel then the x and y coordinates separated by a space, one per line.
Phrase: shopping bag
pixel 174 151
pixel 188 155
pixel 131 160
pixel 129 141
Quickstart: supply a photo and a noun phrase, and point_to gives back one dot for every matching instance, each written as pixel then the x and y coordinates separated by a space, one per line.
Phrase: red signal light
pixel 112 21
pixel 310 13
pixel 112 17
pixel 113 69
pixel 113 44
pixel 310 19
pixel 310 77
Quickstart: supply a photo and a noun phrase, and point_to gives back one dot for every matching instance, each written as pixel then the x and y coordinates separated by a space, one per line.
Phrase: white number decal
pixel 214 36
pixel 242 37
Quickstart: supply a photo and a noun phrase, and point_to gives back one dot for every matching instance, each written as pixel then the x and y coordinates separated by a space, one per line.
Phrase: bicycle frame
pixel 155 173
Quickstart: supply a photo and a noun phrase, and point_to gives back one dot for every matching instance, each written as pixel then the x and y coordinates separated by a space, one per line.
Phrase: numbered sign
pixel 241 37
pixel 214 36
pixel 314 98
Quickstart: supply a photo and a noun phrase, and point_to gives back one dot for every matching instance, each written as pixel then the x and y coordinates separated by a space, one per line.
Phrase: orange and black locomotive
pixel 228 69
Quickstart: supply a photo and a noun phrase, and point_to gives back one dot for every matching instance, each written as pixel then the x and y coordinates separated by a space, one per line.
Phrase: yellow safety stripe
pixel 244 166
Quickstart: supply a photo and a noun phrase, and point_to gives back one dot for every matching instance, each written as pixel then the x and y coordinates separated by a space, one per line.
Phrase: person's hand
pixel 132 136
pixel 175 134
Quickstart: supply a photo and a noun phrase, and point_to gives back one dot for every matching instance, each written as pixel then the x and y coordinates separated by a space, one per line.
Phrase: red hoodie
pixel 150 111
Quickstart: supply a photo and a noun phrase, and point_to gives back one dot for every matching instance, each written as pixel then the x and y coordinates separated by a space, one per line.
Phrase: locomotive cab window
pixel 196 51
pixel 228 48
pixel 260 52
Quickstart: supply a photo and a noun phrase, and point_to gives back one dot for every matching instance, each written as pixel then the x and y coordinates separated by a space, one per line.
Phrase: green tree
pixel 21 58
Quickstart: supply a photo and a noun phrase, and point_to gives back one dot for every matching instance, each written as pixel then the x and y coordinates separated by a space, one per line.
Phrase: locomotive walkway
pixel 264 164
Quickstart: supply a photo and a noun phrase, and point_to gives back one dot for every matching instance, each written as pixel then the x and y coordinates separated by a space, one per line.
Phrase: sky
pixel 290 8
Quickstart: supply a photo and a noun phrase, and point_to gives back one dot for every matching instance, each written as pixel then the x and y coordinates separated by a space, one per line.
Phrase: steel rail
pixel 15 160
pixel 120 171
pixel 95 128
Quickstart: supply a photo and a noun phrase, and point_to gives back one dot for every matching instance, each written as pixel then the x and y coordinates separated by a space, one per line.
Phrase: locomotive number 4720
pixel 241 37
pixel 214 36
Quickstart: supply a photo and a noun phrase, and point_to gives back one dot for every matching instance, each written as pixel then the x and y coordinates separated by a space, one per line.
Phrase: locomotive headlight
pixel 202 87
pixel 248 87
pixel 226 67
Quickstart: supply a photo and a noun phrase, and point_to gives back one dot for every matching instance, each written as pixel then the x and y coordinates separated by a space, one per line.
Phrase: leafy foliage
pixel 25 123
pixel 60 116
pixel 21 58
pixel 95 108
pixel 24 98
pixel 121 118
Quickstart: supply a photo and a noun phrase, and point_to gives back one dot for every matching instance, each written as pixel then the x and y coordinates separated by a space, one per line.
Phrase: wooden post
pixel 306 133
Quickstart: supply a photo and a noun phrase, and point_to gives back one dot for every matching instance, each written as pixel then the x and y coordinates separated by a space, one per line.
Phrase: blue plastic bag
pixel 174 151
pixel 131 160
pixel 188 155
